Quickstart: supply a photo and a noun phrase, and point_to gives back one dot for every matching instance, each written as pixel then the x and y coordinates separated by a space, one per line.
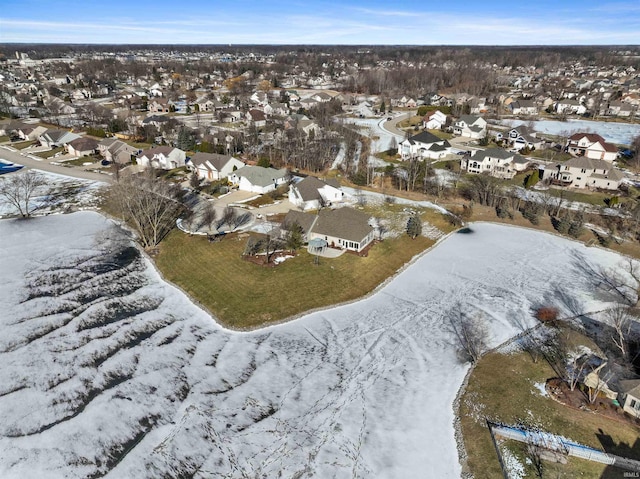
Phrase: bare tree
pixel 620 319
pixel 471 334
pixel 150 206
pixel 19 189
pixel 208 216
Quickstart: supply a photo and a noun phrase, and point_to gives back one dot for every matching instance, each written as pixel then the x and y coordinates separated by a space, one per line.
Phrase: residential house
pixel 56 138
pixel 159 105
pixel 278 109
pixel 477 106
pixel 321 97
pixel 592 146
pixel 82 146
pixel 521 137
pixel 470 126
pixel 583 172
pixel 212 166
pixel 523 107
pixel 116 151
pixel 258 179
pixel 434 120
pixel 629 396
pixel 162 157
pixel 344 228
pixel 496 162
pixel 424 145
pixel 257 117
pixel 309 127
pixel 570 107
pixel 312 193
pixel 30 132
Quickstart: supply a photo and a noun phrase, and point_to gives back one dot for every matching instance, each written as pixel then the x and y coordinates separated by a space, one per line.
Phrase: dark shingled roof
pixel 425 137
pixel 305 220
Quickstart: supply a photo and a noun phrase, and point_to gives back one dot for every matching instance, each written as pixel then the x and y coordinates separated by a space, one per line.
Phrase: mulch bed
pixel 559 390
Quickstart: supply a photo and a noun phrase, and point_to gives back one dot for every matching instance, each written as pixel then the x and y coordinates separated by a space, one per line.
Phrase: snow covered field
pixel 619 133
pixel 60 192
pixel 381 138
pixel 108 371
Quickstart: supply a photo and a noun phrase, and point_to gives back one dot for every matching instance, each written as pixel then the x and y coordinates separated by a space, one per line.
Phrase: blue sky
pixel 425 22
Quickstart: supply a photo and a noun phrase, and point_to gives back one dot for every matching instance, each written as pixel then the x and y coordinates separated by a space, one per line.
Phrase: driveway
pixel 20 158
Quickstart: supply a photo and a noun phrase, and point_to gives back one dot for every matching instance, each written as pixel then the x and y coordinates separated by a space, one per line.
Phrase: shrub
pixel 546 314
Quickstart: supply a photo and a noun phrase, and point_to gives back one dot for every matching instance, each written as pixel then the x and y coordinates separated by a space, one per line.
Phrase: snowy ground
pixel 619 133
pixel 60 192
pixel 381 138
pixel 107 371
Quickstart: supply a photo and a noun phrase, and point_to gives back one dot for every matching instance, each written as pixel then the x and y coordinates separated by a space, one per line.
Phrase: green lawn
pixel 4 138
pixel 244 295
pixel 50 153
pixel 21 145
pixel 510 397
pixel 81 161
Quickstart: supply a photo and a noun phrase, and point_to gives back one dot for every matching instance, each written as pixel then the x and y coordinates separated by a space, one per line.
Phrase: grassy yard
pixel 50 153
pixel 511 397
pixel 4 138
pixel 81 161
pixel 551 155
pixel 244 295
pixel 21 145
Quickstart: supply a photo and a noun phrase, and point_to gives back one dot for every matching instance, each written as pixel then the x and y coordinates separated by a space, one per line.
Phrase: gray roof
pixel 495 153
pixel 469 119
pixel 308 188
pixel 345 223
pixel 630 387
pixel 259 176
pixel 304 220
pixel 590 164
pixel 216 160
pixel 425 137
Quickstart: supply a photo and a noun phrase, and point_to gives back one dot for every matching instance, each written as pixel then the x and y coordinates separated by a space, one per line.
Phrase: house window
pixel 578 178
pixel 583 171
pixel 633 403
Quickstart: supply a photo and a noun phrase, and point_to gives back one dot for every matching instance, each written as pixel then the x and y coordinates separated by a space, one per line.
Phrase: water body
pixel 619 133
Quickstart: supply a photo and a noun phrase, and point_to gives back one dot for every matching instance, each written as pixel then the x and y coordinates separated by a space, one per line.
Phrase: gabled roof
pixel 630 387
pixel 425 137
pixel 304 220
pixel 259 176
pixel 592 137
pixel 308 188
pixel 499 153
pixel 214 159
pixel 345 223
pixel 56 136
pixel 469 119
pixel 158 150
pixel 583 162
pixel 84 144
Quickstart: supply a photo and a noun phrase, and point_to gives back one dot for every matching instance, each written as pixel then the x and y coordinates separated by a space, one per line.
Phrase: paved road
pixel 392 125
pixel 44 165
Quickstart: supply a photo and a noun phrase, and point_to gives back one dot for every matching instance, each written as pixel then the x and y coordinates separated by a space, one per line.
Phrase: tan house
pixel 116 151
pixel 592 146
pixel 82 147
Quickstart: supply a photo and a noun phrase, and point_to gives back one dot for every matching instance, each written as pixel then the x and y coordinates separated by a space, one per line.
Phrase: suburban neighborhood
pixel 269 254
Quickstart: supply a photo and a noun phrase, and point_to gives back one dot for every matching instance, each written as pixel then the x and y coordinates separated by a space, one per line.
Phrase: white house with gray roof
pixel 496 162
pixel 470 126
pixel 258 179
pixel 312 193
pixel 583 172
pixel 212 166
pixel 424 145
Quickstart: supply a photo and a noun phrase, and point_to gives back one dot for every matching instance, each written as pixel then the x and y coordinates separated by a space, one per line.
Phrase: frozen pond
pixel 108 371
pixel 619 133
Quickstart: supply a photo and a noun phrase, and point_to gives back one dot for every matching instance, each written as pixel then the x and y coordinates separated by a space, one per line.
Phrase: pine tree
pixel 414 226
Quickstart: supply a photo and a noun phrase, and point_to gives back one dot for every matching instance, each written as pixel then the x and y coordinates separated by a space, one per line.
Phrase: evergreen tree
pixel 414 226
pixel 383 107
pixel 532 179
